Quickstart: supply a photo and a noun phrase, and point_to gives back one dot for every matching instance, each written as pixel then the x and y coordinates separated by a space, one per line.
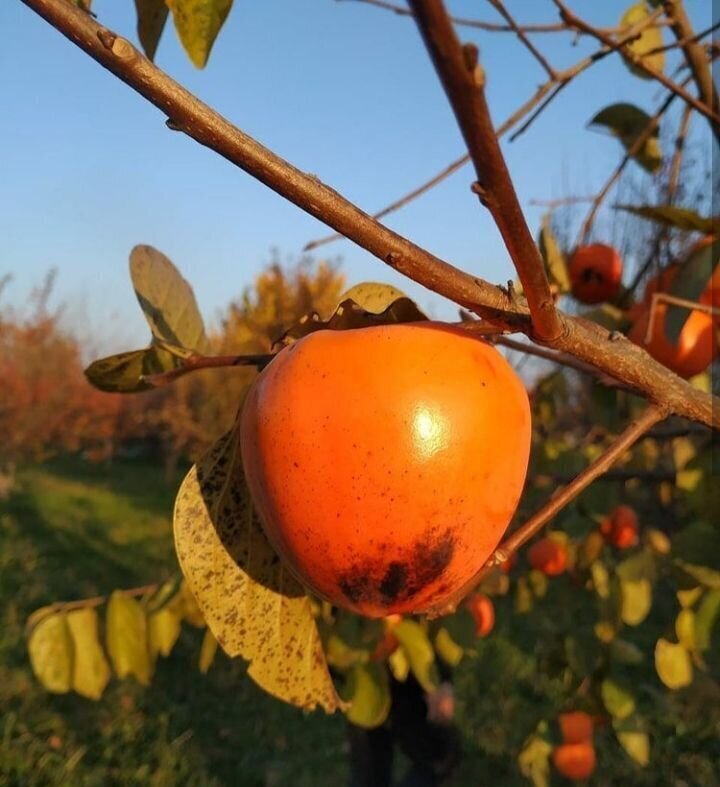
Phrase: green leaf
pixel 705 619
pixel 51 653
pixel 165 594
pixel 649 39
pixel 628 122
pixel 641 565
pixel 91 671
pixel 673 665
pixel 637 745
pixel 198 23
pixel 123 373
pixel 126 638
pixel 690 284
pixel 555 263
pixel 151 18
pixel 618 701
pixel 625 652
pixel 534 760
pixel 636 600
pixel 163 631
pixel 415 642
pixel 448 650
pixel 341 656
pixel 167 300
pixel 368 692
pixel 601 579
pixel 208 649
pixel 669 216
pixel 251 603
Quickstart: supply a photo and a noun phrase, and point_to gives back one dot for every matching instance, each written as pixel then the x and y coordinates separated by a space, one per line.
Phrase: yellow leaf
pixel 420 654
pixel 163 631
pixel 650 39
pixel 51 653
pixel 126 638
pixel 687 598
pixel 618 701
pixel 601 579
pixel 685 628
pixel 673 665
pixel 198 23
pixel 534 760
pixel 657 541
pixel 448 650
pixel 208 649
pixel 253 606
pixel 637 745
pixel 636 600
pixel 91 671
pixel 399 665
pixel 373 296
pixel 368 692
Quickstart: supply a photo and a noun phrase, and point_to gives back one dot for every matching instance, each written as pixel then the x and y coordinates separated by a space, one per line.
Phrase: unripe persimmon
pixel 574 760
pixel 595 273
pixel 385 463
pixel 575 726
pixel 483 612
pixel 549 556
pixel 620 527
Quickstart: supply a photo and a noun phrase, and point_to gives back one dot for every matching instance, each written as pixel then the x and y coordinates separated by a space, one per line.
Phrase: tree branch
pixel 696 59
pixel 464 80
pixel 534 51
pixel 708 110
pixel 651 416
pixel 587 341
pixel 195 362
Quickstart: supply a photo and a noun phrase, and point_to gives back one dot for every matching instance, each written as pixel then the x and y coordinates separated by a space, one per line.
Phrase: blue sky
pixel 342 90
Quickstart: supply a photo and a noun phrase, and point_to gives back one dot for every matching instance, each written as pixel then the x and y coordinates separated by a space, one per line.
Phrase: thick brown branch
pixel 708 110
pixel 562 497
pixel 587 341
pixel 696 58
pixel 463 80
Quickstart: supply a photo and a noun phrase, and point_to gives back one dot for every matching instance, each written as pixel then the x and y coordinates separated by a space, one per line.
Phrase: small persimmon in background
pixel 595 273
pixel 620 527
pixel 549 556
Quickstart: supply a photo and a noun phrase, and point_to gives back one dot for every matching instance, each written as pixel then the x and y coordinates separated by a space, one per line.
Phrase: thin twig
pixel 464 82
pixel 534 51
pixel 651 416
pixel 672 300
pixel 587 341
pixel 95 601
pixel 562 78
pixel 195 362
pixel 681 43
pixel 638 61
pixel 552 27
pixel 696 59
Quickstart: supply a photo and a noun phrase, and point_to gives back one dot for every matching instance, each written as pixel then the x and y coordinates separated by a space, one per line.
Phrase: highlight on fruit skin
pixel 483 612
pixel 595 273
pixel 385 463
pixel 548 556
pixel 575 726
pixel 620 527
pixel 575 760
pixel 697 344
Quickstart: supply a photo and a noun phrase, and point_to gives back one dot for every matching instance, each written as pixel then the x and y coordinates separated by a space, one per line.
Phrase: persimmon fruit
pixel 697 344
pixel 483 612
pixel 595 273
pixel 386 462
pixel 574 760
pixel 575 726
pixel 549 556
pixel 620 527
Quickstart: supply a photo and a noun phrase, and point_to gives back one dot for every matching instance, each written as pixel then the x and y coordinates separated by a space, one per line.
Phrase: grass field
pixel 74 530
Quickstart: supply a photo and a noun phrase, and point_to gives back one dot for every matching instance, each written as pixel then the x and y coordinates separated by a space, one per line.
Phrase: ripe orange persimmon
pixel 575 726
pixel 483 612
pixel 620 527
pixel 697 344
pixel 574 760
pixel 595 273
pixel 548 556
pixel 385 463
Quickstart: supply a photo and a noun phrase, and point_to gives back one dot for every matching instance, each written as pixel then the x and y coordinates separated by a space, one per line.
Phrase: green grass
pixel 73 530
